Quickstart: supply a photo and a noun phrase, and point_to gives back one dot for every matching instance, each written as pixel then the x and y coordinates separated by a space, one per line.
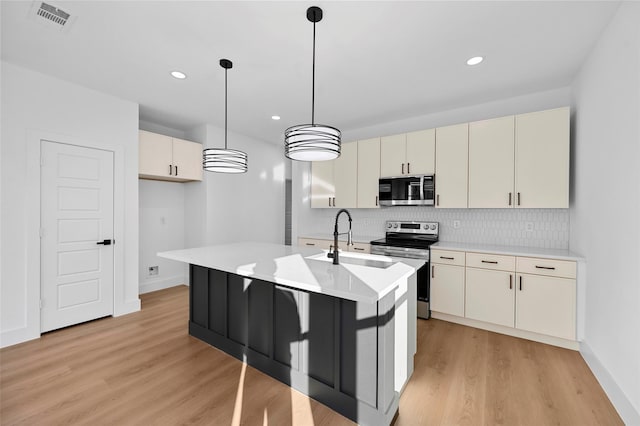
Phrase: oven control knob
pixel 395 225
pixel 389 225
pixel 433 227
pixel 426 226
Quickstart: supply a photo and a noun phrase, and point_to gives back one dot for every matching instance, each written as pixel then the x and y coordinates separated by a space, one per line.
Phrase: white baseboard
pixel 162 284
pixel 17 335
pixel 630 416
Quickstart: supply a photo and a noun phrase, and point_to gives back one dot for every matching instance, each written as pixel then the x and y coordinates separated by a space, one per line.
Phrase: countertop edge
pixel 558 254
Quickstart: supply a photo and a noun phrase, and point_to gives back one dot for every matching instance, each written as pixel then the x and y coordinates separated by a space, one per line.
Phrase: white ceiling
pixel 376 61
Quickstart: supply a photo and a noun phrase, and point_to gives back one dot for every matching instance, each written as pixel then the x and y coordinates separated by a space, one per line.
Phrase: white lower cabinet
pixel 489 296
pixel 530 296
pixel 447 289
pixel 447 282
pixel 546 305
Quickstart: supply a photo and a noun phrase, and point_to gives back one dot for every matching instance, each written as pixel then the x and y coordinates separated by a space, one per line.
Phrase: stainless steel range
pixel 411 240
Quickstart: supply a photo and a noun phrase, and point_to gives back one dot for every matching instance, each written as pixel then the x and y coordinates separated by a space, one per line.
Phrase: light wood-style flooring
pixel 144 369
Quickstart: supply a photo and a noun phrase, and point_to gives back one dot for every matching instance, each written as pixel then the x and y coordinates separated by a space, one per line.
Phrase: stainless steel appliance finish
pixel 415 190
pixel 411 240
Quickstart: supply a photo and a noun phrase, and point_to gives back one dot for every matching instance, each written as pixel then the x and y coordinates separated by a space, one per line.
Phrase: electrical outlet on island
pixel 153 270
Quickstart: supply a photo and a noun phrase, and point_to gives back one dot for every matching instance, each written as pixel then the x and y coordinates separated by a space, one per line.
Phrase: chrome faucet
pixel 334 255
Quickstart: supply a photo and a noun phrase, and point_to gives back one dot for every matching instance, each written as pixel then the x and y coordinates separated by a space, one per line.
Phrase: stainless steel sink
pixel 371 260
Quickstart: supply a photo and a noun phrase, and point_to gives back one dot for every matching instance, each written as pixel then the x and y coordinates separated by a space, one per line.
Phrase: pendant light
pixel 224 160
pixel 312 142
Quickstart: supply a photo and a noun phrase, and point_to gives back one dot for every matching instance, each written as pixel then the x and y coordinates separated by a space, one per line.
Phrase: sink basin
pixel 370 260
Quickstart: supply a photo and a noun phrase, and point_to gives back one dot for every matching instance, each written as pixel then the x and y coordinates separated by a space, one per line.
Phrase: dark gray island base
pixel 338 352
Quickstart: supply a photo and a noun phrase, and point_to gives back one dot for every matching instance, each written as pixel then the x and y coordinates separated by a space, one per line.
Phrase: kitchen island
pixel 343 334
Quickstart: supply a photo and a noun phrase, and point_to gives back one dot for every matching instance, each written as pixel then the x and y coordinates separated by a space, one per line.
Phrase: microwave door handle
pixel 421 188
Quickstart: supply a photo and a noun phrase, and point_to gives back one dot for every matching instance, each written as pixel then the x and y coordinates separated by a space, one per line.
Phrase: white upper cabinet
pixel 334 182
pixel 542 159
pixel 408 154
pixel 393 154
pixel 452 156
pixel 323 190
pixel 491 167
pixel 187 159
pixel 345 176
pixel 368 172
pixel 421 152
pixel 165 158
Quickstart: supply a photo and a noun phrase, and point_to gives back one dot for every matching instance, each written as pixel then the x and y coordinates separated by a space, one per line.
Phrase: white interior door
pixel 76 215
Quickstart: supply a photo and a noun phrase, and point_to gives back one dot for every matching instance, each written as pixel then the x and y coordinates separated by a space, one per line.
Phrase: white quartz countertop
pixel 356 237
pixel 290 266
pixel 508 250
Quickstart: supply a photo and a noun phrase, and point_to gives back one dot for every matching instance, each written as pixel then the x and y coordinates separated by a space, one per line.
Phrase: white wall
pixel 33 103
pixel 605 212
pixel 492 226
pixel 237 207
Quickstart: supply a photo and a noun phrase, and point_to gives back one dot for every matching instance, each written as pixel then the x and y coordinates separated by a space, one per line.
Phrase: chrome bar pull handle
pixel 402 168
pixel 170 170
pixel 376 201
pixel 433 271
pixel 176 170
pixel 518 198
pixel 509 198
pixel 551 268
pixel 510 281
pixel 408 168
pixel 490 261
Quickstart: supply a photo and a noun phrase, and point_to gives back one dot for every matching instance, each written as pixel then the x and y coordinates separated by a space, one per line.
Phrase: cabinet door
pixel 447 289
pixel 154 156
pixel 345 176
pixel 491 163
pixel 393 152
pixel 322 186
pixel 452 158
pixel 546 305
pixel 368 173
pixel 421 152
pixel 187 159
pixel 489 296
pixel 542 159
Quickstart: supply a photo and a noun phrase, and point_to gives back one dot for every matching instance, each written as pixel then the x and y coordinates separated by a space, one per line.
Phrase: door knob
pixel 106 242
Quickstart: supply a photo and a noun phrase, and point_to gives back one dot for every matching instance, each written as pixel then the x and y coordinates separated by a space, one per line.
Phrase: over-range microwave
pixel 415 190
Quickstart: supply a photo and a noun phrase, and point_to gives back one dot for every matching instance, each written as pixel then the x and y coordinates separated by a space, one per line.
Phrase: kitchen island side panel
pixel 337 351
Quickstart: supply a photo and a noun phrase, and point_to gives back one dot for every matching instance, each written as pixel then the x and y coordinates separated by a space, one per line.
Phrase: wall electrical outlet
pixel 153 270
pixel 456 224
pixel 529 226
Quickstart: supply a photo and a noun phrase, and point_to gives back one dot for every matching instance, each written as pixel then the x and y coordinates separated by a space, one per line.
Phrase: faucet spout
pixel 334 255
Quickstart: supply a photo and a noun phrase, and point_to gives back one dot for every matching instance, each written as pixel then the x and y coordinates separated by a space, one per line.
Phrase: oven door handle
pixel 387 251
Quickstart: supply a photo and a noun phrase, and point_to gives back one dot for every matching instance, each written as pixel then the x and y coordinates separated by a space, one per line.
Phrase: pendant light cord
pixel 313 78
pixel 225 108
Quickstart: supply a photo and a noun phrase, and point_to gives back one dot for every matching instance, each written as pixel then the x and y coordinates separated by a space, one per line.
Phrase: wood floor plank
pixel 144 368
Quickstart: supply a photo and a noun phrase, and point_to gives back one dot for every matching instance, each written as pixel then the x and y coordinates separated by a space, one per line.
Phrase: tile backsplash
pixel 540 228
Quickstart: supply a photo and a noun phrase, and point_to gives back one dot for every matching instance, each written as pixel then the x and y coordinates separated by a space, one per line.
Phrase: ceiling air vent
pixel 51 16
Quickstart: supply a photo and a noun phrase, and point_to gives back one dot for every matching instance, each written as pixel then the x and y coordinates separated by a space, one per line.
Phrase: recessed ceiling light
pixel 275 117
pixel 475 60
pixel 179 75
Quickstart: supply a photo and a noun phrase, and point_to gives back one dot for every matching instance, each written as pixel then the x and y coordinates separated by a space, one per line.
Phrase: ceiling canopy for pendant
pixel 219 159
pixel 312 142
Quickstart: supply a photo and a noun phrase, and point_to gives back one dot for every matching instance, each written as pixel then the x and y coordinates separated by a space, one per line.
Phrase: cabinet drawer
pixel 548 267
pixel 491 261
pixel 447 257
pixel 312 242
pixel 360 247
